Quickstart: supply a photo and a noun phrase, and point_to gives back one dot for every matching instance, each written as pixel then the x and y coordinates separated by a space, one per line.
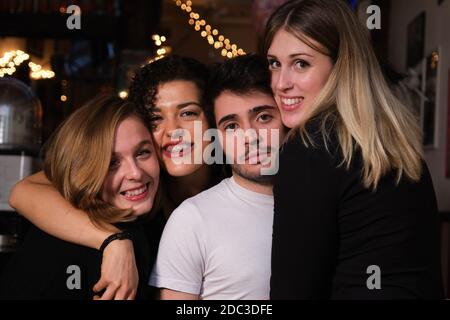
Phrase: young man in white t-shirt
pixel 217 244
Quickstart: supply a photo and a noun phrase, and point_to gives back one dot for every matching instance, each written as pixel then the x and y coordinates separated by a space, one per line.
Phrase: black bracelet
pixel 115 236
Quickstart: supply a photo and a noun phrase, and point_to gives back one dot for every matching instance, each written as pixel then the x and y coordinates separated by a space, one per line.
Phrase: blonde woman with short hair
pixel 102 160
pixel 355 209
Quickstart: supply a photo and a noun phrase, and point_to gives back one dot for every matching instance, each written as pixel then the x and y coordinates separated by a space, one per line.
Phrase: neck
pixel 253 186
pixel 181 188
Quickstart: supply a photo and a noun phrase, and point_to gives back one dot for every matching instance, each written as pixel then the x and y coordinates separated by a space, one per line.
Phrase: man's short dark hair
pixel 144 87
pixel 240 75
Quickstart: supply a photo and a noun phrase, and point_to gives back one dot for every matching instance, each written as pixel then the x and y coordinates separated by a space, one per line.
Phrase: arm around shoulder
pixel 37 200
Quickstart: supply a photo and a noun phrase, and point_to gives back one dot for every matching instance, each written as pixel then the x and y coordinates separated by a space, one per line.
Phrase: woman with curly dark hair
pixel 171 92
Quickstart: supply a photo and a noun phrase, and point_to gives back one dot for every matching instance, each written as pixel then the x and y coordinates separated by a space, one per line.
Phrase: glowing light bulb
pixel 123 94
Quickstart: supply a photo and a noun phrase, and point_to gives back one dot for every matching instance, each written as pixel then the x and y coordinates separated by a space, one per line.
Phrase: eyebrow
pixel 252 111
pixel 262 108
pixel 180 106
pixel 293 55
pixel 226 118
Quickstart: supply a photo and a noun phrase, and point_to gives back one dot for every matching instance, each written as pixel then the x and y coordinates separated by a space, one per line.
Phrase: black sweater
pixel 329 229
pixel 40 269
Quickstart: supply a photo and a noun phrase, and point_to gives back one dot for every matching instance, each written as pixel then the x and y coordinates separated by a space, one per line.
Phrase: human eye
pixel 301 64
pixel 143 153
pixel 273 63
pixel 155 122
pixel 230 126
pixel 114 164
pixel 264 118
pixel 188 114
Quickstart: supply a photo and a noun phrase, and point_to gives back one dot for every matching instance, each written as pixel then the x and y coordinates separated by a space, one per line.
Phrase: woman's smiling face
pixel 175 115
pixel 133 176
pixel 298 75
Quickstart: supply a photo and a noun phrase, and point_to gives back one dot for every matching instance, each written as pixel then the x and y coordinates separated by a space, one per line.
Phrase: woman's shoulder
pixel 312 142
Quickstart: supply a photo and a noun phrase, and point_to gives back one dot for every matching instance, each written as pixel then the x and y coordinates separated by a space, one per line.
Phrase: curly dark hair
pixel 144 86
pixel 240 75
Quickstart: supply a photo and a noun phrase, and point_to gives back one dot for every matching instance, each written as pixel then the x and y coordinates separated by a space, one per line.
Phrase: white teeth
pixel 136 192
pixel 178 148
pixel 290 102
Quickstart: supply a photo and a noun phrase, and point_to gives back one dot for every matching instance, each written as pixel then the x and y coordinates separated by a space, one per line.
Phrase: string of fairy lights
pixel 161 52
pixel 212 35
pixel 12 59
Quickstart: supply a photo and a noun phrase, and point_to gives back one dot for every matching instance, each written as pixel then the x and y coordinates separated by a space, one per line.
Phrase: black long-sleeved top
pixel 328 229
pixel 39 270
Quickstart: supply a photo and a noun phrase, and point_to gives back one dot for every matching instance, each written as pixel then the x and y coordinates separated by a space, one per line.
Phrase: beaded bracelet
pixel 115 236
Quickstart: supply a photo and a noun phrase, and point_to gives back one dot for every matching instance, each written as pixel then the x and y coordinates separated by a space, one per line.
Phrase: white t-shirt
pixel 218 245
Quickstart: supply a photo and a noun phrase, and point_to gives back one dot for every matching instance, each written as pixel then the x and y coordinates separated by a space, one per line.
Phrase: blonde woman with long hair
pixel 355 209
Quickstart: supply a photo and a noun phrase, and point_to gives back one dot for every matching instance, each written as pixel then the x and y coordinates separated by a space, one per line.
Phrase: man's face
pixel 250 130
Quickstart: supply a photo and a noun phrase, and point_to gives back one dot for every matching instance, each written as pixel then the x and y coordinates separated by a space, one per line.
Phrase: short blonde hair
pixel 78 154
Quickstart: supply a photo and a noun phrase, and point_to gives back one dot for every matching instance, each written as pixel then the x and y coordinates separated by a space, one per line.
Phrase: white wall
pixel 437 35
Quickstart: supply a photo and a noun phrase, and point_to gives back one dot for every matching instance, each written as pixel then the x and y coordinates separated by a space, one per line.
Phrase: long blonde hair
pixel 356 98
pixel 78 154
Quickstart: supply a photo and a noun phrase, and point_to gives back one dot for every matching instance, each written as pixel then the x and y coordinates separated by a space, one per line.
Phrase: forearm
pixel 167 294
pixel 37 200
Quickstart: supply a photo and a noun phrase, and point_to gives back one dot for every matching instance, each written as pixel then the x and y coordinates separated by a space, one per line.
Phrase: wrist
pixel 123 235
pixel 103 232
pixel 101 236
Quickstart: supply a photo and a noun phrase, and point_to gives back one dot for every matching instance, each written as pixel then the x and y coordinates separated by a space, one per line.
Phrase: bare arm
pixel 37 199
pixel 167 294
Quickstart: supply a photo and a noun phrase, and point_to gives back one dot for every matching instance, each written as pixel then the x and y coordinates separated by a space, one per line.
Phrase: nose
pixel 250 133
pixel 283 80
pixel 171 126
pixel 174 131
pixel 133 170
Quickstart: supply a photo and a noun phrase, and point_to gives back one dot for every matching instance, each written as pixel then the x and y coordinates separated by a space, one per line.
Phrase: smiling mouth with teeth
pixel 178 150
pixel 136 193
pixel 291 103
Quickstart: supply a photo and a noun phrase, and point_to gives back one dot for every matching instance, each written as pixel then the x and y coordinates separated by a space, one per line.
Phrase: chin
pixel 290 121
pixel 182 170
pixel 142 209
pixel 249 171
